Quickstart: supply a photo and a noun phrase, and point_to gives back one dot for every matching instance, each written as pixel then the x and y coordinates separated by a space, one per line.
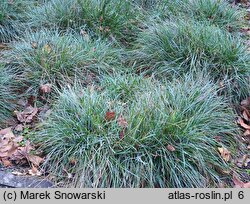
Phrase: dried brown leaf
pixel 35 160
pixel 121 133
pixel 245 102
pixel 22 152
pixel 246 133
pixel 47 48
pixel 6 163
pixel 19 128
pixel 27 115
pixel 170 148
pixel 72 161
pixel 7 143
pixel 5 131
pixel 242 124
pixel 245 115
pixel 34 171
pixel 122 122
pixel 243 162
pixel 45 88
pixel 109 115
pixel 225 154
pixel 238 183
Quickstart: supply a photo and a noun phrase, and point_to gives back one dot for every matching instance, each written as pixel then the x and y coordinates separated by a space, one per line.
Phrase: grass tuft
pixel 49 57
pixel 185 114
pixel 103 18
pixel 216 12
pixel 174 48
pixel 12 13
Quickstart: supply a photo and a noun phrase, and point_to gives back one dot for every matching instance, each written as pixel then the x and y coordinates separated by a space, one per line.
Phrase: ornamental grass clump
pixel 166 136
pixel 174 48
pixel 215 12
pixel 49 57
pixel 116 19
pixel 12 13
pixel 61 13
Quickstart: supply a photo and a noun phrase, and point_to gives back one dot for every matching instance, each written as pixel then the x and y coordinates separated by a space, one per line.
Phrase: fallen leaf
pixel 242 124
pixel 245 115
pixel 35 160
pixel 246 133
pixel 22 152
pixel 5 131
pixel 122 122
pixel 170 148
pixel 109 115
pixel 7 145
pixel 30 101
pixel 47 48
pixel 222 185
pixel 243 162
pixel 6 163
pixel 46 88
pixel 19 128
pixel 10 150
pixel 72 161
pixel 224 153
pixel 27 115
pixel 245 102
pixel 121 133
pixel 34 171
pixel 239 184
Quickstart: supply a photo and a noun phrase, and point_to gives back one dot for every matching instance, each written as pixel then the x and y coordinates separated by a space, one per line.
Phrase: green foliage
pixel 173 114
pixel 60 13
pixel 49 57
pixel 186 114
pixel 217 12
pixel 180 47
pixel 108 18
pixel 7 95
pixel 124 87
pixel 11 15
